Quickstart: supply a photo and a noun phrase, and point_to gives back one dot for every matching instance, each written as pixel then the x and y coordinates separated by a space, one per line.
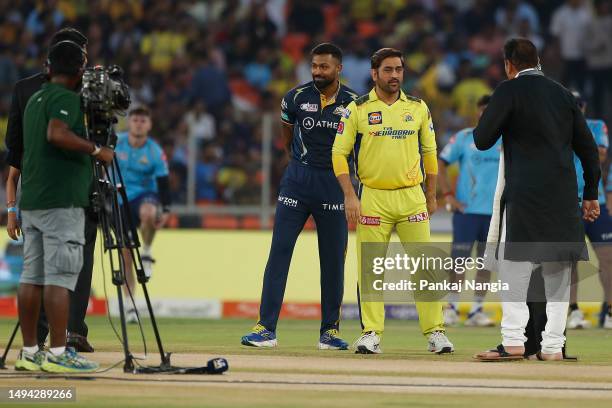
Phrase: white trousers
pixel 515 313
pixel 514 306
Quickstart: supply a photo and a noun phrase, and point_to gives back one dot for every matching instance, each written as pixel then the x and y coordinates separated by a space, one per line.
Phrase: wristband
pixel 11 210
pixel 96 151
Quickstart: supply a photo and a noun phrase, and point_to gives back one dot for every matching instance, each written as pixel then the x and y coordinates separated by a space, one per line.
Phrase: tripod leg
pixel 8 346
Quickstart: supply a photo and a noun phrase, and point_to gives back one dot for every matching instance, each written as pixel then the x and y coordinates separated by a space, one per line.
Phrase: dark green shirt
pixel 52 177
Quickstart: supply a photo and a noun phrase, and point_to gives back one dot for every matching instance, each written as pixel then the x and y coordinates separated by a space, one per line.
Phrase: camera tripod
pixel 119 233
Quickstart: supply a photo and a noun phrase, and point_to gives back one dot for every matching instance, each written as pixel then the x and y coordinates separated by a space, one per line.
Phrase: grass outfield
pixel 402 339
pixel 298 373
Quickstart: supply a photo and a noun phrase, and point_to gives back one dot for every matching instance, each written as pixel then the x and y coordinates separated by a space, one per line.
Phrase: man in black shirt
pixel 79 298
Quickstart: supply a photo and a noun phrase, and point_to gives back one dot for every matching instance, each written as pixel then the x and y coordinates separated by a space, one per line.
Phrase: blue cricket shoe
pixel 260 337
pixel 330 341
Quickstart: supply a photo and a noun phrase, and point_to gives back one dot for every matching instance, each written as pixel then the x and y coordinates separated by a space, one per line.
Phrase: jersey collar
pixel 373 96
pixel 325 101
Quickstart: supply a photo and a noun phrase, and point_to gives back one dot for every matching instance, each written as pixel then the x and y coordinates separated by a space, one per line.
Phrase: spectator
pixel 200 123
pixel 206 175
pixel 511 15
pixel 569 25
pixel 599 55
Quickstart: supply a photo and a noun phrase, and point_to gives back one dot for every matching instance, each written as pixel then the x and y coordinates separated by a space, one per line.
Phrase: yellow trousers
pixel 381 211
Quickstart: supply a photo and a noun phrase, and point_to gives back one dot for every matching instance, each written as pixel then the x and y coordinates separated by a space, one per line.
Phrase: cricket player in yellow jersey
pixel 390 134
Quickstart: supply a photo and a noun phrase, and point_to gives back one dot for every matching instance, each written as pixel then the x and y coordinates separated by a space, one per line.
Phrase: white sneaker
pixel 479 319
pixel 607 322
pixel 368 343
pixel 131 317
pixel 439 343
pixel 576 320
pixel 451 317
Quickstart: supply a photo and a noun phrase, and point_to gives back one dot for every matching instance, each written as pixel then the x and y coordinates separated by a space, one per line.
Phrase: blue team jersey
pixel 314 126
pixel 477 171
pixel 600 134
pixel 140 167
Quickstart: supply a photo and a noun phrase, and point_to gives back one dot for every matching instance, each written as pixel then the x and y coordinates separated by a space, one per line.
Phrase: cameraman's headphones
pixel 60 43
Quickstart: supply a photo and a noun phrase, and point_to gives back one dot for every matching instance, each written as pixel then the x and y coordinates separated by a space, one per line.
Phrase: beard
pixel 389 87
pixel 322 82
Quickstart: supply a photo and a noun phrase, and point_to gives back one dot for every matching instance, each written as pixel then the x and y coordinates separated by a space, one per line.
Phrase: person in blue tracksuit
pixel 472 206
pixel 310 114
pixel 599 232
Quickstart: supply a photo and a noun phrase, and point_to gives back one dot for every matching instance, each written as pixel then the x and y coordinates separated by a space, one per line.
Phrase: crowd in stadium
pixel 209 69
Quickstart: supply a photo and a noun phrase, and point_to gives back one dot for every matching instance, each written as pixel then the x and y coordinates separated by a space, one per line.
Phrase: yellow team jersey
pixel 387 141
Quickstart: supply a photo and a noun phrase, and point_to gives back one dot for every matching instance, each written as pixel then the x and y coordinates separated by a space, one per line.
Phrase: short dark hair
pixel 66 58
pixel 379 56
pixel 69 33
pixel 327 48
pixel 522 53
pixel 483 100
pixel 140 110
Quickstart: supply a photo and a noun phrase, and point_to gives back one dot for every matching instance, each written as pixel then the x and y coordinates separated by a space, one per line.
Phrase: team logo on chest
pixel 144 160
pixel 375 118
pixel 340 111
pixel 408 118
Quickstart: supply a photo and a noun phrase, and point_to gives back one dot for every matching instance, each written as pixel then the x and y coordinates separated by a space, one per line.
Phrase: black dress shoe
pixel 80 343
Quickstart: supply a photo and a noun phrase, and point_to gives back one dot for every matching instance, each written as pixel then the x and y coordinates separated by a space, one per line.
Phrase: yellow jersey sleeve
pixel 427 140
pixel 345 139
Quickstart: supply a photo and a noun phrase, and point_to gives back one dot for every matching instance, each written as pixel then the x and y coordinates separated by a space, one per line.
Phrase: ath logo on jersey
pixel 368 220
pixel 340 128
pixel 375 118
pixel 309 107
pixel 424 216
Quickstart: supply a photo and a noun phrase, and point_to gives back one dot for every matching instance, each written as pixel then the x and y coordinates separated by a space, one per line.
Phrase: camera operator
pixel 56 181
pixel 79 299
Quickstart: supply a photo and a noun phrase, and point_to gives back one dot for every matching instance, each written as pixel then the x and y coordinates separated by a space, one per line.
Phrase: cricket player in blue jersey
pixel 599 232
pixel 144 168
pixel 310 114
pixel 472 206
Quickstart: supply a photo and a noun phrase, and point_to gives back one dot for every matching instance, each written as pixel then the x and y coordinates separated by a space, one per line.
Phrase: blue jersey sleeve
pixel 600 132
pixel 288 108
pixel 453 151
pixel 159 158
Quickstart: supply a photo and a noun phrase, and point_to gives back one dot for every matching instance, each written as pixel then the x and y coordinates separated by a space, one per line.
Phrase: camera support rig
pixel 103 94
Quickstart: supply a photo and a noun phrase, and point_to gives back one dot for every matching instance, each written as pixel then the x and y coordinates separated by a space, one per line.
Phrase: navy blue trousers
pixel 306 191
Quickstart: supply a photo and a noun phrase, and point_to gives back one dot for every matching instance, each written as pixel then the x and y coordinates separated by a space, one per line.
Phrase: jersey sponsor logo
pixel 606 236
pixel 284 116
pixel 375 118
pixel 340 128
pixel 346 114
pixel 284 105
pixel 424 216
pixel 309 107
pixel 289 202
pixel 368 220
pixel 309 123
pixel 394 133
pixel 339 110
pixel 333 207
